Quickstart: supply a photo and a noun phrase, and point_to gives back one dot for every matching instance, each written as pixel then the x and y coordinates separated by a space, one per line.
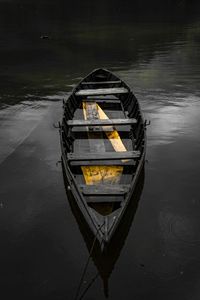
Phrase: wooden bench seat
pixel 102 189
pixel 101 122
pixel 100 82
pixel 103 91
pixel 103 156
pixel 82 163
pixel 104 199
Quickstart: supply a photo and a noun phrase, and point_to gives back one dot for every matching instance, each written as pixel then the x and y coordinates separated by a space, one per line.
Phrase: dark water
pixel 43 250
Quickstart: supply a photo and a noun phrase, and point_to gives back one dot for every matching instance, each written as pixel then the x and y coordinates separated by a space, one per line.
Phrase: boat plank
pixel 111 133
pixel 104 100
pixel 92 174
pixel 105 199
pixel 106 91
pixel 100 82
pixel 123 163
pixel 103 156
pixel 102 189
pixel 101 122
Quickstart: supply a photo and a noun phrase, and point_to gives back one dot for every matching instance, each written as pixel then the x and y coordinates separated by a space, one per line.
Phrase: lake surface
pixel 43 250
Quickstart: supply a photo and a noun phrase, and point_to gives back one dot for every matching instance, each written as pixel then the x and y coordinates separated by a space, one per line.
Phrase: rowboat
pixel 103 142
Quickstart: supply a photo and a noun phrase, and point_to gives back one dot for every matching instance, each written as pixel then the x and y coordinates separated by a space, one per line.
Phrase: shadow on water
pixel 105 262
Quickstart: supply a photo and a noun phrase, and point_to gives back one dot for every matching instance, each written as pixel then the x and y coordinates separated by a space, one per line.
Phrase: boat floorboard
pixel 82 143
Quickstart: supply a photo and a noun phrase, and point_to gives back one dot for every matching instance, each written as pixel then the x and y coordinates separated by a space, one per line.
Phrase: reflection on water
pixel 43 251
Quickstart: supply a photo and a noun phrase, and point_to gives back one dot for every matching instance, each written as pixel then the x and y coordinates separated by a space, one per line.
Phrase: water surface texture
pixel 43 247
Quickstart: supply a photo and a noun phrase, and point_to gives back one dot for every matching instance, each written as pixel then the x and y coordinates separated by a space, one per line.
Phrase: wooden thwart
pixel 103 100
pixel 105 199
pixel 123 163
pixel 100 82
pixel 101 122
pixel 103 156
pixel 106 91
pixel 103 189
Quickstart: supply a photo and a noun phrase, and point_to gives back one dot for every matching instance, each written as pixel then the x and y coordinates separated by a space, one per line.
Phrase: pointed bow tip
pixel 100 70
pixel 104 246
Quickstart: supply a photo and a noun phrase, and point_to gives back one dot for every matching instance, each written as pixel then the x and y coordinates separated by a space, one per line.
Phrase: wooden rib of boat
pixel 103 143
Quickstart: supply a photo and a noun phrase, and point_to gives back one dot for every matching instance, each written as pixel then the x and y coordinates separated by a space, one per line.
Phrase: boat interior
pixel 103 136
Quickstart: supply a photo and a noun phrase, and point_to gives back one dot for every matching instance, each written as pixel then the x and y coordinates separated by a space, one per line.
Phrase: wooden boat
pixel 103 143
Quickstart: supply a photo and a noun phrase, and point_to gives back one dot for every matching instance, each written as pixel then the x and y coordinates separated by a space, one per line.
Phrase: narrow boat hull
pixel 102 181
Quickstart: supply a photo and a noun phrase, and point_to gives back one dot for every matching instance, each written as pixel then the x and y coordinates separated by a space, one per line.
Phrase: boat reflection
pixel 106 261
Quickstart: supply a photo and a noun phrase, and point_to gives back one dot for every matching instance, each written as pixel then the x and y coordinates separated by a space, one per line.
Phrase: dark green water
pixel 43 251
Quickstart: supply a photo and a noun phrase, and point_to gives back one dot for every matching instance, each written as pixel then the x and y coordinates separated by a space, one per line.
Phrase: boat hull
pixel 103 227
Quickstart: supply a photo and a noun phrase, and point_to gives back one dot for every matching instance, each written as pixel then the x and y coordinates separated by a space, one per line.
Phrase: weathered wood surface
pixel 96 140
pixel 106 91
pixel 96 174
pixel 107 200
pixel 100 173
pixel 103 100
pixel 111 133
pixel 123 163
pixel 102 189
pixel 103 156
pixel 100 82
pixel 102 122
